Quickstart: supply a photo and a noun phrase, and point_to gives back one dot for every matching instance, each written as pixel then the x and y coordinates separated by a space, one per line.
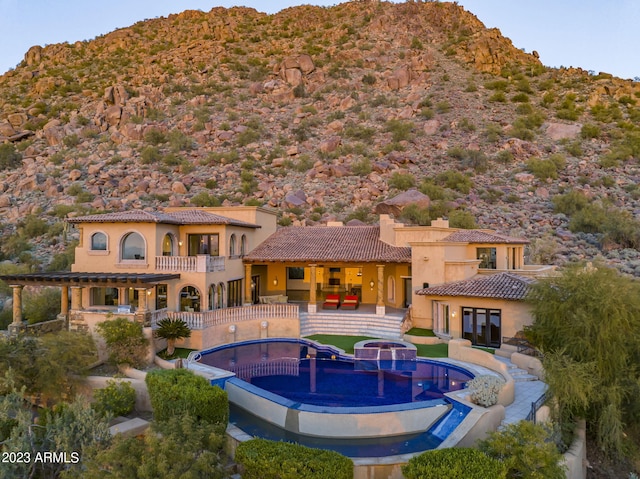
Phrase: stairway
pixel 387 327
pixel 519 375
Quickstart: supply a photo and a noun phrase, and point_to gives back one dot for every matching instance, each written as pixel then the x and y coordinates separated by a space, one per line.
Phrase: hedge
pixel 264 459
pixel 175 392
pixel 454 464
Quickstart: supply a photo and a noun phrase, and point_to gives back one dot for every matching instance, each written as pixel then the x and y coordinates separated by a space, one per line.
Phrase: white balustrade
pixel 205 319
pixel 191 264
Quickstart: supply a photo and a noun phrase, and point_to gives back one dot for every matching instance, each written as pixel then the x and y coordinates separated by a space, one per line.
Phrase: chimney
pixel 440 223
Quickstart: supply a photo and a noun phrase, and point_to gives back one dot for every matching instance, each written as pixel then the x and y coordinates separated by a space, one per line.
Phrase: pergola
pixel 77 281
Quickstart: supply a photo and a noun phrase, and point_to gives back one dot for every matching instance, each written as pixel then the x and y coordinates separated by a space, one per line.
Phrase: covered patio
pixel 124 287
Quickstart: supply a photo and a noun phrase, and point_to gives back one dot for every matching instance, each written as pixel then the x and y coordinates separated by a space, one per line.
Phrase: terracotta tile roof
pixel 184 217
pixel 328 244
pixel 499 286
pixel 479 236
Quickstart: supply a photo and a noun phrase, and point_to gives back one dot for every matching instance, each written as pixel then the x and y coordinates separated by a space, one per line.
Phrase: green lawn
pixel 427 333
pixel 347 342
pixel 178 353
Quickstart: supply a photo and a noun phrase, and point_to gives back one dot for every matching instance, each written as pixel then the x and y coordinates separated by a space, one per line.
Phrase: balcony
pixel 202 263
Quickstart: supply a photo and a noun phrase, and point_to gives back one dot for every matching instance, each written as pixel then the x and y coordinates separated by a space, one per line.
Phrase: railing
pixel 157 315
pixel 202 263
pixel 524 346
pixel 276 367
pixel 535 406
pixel 202 320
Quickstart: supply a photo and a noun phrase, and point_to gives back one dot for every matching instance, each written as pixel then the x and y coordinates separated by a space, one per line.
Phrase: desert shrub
pixel 150 154
pixel 177 392
pixel 264 459
pixel 155 137
pixel 361 167
pixel 569 203
pixel 485 389
pixel 454 180
pixel 462 219
pixel 400 130
pixel 32 226
pixel 520 98
pixel 9 156
pixel 590 130
pixel 416 214
pixel 358 132
pixel 402 181
pixel 117 399
pixel 526 449
pixel 41 306
pixel 498 97
pixel 542 169
pixel 504 156
pixel 498 85
pixel 433 191
pixel 454 463
pixel 204 199
pixel 369 79
pixel 125 341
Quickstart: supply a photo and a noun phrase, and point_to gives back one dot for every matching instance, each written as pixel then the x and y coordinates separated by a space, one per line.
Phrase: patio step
pixel 387 327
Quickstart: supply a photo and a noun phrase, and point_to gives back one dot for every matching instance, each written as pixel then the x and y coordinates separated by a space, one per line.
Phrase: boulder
pixel 560 131
pixel 395 205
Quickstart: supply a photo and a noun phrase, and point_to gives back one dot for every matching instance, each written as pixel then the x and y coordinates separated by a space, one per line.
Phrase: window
pixel 204 244
pixel 487 257
pixel 482 326
pixel 161 296
pixel 99 242
pixel 391 289
pixel 167 245
pixel 441 315
pixel 133 247
pixel 104 296
pixel 190 299
pixel 243 245
pixel 295 273
pixel 232 245
pixel 235 293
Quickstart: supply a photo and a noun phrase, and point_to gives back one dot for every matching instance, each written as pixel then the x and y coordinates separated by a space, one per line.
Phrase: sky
pixel 593 35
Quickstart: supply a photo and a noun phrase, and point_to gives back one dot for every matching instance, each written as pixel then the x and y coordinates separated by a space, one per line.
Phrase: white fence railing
pixel 191 264
pixel 157 315
pixel 206 319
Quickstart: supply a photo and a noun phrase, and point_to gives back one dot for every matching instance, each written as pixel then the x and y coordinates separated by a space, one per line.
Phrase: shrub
pixel 527 451
pixel 590 130
pixel 569 203
pixel 485 389
pixel 42 306
pixel 542 169
pixel 400 130
pixel 172 330
pixel 402 181
pixel 462 219
pixel 32 226
pixel 117 399
pixel 155 137
pixel 150 154
pixel 204 199
pixel 263 459
pixel 126 343
pixel 433 191
pixel 454 463
pixel 177 392
pixel 9 157
pixel 455 181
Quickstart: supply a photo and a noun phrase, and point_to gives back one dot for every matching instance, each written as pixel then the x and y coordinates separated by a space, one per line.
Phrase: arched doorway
pixel 189 299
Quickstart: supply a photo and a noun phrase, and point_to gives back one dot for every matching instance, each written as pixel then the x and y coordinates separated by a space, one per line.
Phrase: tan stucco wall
pixel 515 314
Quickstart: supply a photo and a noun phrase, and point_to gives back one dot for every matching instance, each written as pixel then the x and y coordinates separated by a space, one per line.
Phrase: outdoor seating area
pixel 332 301
pixel 274 299
pixel 350 302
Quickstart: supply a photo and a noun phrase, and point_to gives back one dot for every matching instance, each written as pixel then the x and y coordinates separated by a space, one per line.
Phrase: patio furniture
pixel 350 302
pixel 332 301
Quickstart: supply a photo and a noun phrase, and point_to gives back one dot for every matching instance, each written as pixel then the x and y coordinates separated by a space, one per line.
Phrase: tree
pixel 587 323
pixel 172 330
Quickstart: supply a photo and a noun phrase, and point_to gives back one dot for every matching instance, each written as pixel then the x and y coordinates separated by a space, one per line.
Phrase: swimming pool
pixel 311 374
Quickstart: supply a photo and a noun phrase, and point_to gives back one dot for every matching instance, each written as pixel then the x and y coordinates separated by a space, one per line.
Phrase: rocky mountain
pixel 322 113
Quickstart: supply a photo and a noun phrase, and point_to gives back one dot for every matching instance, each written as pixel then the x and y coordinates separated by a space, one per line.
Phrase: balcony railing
pixel 205 319
pixel 202 263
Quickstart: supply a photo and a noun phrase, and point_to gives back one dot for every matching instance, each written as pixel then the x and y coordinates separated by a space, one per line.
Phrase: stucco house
pixel 232 275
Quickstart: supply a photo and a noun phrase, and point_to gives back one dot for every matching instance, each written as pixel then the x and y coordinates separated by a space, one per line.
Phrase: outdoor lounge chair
pixel 332 301
pixel 350 302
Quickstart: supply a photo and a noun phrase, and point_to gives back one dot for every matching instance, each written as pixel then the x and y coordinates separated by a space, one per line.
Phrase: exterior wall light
pixel 371 284
pixel 275 281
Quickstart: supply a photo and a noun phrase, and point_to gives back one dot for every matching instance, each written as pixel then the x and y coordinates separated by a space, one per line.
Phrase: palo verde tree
pixel 587 323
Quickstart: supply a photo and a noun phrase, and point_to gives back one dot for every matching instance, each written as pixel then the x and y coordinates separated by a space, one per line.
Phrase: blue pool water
pixel 308 373
pixel 316 375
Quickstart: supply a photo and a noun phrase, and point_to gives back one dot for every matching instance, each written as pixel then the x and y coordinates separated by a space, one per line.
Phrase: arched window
pixel 220 292
pixel 232 245
pixel 167 245
pixel 212 297
pixel 99 241
pixel 133 247
pixel 189 299
pixel 243 245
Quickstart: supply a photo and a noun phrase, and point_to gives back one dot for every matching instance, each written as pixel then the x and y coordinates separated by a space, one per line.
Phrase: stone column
pixel 248 300
pixel 76 298
pixel 313 307
pixel 64 301
pixel 380 309
pixel 17 303
pixel 142 300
